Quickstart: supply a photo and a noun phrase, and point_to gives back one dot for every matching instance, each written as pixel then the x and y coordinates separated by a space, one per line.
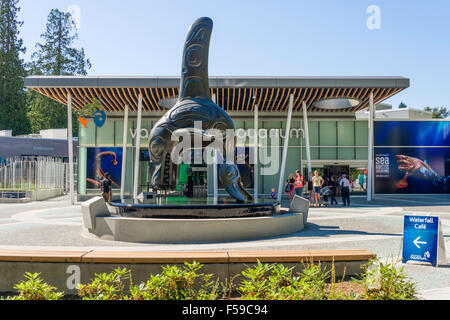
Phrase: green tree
pixel 12 71
pixel 56 56
pixel 438 113
pixel 402 106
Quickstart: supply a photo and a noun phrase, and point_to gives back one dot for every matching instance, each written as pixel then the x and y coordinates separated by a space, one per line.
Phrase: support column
pixel 215 170
pixel 370 150
pixel 285 147
pixel 124 153
pixel 137 148
pixel 256 154
pixel 70 146
pixel 308 149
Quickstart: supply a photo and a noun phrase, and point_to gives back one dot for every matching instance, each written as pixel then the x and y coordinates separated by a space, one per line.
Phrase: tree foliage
pixel 438 113
pixel 55 56
pixel 12 71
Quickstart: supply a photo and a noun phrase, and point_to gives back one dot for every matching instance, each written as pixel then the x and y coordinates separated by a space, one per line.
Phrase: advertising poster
pixel 412 157
pixel 101 161
pixel 412 170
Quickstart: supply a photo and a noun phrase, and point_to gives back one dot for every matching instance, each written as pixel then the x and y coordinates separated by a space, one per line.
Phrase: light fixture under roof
pixel 340 103
pixel 168 103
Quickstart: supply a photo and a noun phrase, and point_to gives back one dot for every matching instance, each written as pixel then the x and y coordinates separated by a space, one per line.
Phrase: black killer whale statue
pixel 194 106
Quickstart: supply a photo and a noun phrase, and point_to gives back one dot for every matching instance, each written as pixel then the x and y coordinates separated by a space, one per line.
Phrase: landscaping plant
pixel 35 289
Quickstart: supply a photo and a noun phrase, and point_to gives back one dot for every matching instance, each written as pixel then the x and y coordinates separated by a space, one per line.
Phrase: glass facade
pixel 334 140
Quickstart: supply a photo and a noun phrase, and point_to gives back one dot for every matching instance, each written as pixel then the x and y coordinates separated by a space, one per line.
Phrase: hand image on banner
pixel 100 161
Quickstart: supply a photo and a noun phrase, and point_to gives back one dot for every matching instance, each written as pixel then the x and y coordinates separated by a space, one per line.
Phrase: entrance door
pixel 336 171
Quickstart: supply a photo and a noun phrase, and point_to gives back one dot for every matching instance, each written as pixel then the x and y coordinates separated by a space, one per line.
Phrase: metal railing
pixel 21 174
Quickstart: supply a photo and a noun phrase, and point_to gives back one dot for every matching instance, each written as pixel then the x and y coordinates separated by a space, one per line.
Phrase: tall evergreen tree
pixel 12 72
pixel 56 56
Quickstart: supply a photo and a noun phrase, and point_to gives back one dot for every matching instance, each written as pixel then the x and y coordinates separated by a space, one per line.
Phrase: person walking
pixel 310 190
pixel 290 182
pixel 333 187
pixel 361 181
pixel 345 187
pixel 190 187
pixel 317 185
pixel 298 183
pixel 106 187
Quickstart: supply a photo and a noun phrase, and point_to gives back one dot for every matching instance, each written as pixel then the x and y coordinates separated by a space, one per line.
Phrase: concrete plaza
pixel 377 227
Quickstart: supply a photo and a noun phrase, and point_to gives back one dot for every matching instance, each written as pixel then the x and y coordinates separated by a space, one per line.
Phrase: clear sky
pixel 266 38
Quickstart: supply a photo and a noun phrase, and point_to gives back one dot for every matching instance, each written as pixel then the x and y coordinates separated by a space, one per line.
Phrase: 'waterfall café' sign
pixel 423 240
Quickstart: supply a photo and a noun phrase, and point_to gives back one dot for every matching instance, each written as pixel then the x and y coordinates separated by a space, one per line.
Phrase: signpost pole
pixel 305 124
pixel 124 153
pixel 255 150
pixel 285 148
pixel 70 146
pixel 370 150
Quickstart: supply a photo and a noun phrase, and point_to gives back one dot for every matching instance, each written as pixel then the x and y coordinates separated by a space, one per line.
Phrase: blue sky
pixel 266 38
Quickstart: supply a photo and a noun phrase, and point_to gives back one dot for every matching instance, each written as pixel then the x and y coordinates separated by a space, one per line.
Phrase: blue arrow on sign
pixel 420 239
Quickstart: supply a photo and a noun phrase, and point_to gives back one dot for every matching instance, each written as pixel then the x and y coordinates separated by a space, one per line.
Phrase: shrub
pixel 35 289
pixel 277 282
pixel 106 286
pixel 384 281
pixel 175 283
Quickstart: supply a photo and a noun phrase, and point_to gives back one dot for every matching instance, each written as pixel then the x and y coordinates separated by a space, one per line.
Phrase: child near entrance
pixel 298 183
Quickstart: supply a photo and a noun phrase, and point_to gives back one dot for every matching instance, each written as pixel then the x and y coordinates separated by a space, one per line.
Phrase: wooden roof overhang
pixel 234 94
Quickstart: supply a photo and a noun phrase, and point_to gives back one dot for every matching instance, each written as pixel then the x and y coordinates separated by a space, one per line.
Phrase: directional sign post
pixel 423 240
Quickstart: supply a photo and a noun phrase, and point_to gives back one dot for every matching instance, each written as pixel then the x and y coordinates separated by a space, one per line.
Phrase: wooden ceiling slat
pixel 217 97
pixel 104 100
pixel 272 102
pixel 272 91
pixel 280 99
pixel 157 95
pixel 57 95
pixel 76 97
pixel 155 101
pixel 82 95
pixel 260 96
pixel 263 105
pixel 145 104
pixel 151 103
pixel 238 99
pixel 284 101
pixel 49 93
pixel 123 94
pixel 116 94
pixel 243 99
pixel 300 101
pixel 297 94
pixel 133 99
pixel 112 100
pixel 234 94
pixel 310 92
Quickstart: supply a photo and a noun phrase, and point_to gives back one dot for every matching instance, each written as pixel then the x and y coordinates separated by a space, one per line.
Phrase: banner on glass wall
pixel 101 161
pixel 412 157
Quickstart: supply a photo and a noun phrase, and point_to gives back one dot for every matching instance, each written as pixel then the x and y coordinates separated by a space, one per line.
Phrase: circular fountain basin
pixel 179 220
pixel 202 208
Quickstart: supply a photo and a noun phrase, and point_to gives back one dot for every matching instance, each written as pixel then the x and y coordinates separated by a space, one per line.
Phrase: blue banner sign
pixel 420 239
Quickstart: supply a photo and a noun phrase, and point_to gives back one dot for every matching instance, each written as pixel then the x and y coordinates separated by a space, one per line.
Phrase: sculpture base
pixel 98 223
pixel 182 207
pixel 154 230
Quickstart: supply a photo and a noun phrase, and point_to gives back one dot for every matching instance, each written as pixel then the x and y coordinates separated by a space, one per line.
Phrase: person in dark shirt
pixel 106 186
pixel 333 187
pixel 190 186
